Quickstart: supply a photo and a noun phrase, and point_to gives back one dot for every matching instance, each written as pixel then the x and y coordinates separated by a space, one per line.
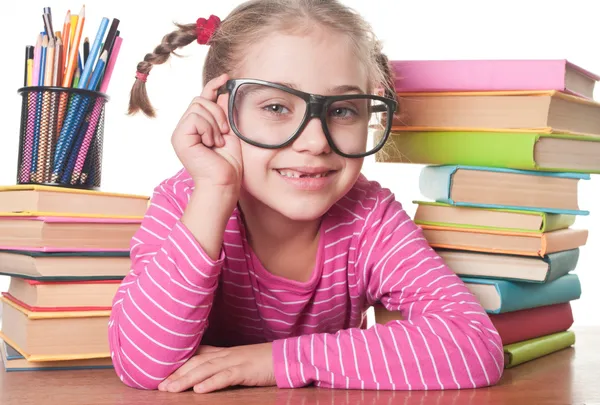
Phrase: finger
pixel 205 353
pixel 198 109
pixel 208 138
pixel 203 349
pixel 209 91
pixel 226 378
pixel 193 130
pixel 199 374
pixel 181 371
pixel 216 111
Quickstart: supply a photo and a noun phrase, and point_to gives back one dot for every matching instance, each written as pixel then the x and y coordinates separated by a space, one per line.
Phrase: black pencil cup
pixel 61 137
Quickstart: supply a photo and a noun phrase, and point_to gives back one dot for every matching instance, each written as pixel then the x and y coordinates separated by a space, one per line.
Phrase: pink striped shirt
pixel 370 251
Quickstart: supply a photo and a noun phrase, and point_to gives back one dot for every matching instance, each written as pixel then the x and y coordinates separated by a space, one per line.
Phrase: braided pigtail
pixel 185 35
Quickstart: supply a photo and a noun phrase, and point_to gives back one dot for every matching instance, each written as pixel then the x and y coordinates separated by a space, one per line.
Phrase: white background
pixel 137 152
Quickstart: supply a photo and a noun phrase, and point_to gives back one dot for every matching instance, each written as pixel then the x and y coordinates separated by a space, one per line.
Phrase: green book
pixel 498 219
pixel 521 352
pixel 510 150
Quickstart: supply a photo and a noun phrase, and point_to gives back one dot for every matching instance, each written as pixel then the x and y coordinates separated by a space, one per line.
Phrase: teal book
pixel 498 296
pixel 511 267
pixel 14 361
pixel 492 187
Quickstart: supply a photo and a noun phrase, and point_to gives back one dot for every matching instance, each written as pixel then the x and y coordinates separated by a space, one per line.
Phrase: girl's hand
pixel 215 368
pixel 203 143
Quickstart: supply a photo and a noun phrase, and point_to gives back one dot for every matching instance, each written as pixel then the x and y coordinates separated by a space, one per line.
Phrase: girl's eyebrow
pixel 345 88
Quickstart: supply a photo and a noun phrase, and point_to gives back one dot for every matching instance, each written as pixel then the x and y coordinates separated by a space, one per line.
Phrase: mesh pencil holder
pixel 61 137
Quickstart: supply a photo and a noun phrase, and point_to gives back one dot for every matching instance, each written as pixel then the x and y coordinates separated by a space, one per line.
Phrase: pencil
pixel 111 64
pixel 37 53
pixel 30 69
pixel 95 79
pixel 74 21
pixel 88 66
pixel 48 25
pixel 76 78
pixel 28 51
pixel 110 37
pixel 65 38
pixel 86 49
pixel 48 11
pixel 43 61
pixel 56 69
pixel 48 73
pixel 60 56
pixel 74 168
pixel 75 46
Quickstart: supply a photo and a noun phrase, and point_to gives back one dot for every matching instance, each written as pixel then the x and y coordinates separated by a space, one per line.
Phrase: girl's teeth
pixel 299 175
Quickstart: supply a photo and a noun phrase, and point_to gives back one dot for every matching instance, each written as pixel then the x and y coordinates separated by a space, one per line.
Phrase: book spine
pixel 435 182
pixel 479 75
pixel 531 323
pixel 561 263
pixel 517 296
pixel 522 352
pixel 489 149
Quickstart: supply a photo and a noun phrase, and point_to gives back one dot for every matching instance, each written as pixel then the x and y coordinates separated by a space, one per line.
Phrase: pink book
pixel 66 234
pixel 493 75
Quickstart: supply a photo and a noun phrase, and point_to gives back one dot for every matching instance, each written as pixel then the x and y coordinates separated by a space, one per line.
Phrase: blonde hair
pixel 251 21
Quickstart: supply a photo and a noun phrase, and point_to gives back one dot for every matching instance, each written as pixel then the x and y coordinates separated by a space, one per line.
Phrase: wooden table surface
pixel 571 376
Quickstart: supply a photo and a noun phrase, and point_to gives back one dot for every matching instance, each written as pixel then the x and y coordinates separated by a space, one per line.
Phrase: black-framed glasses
pixel 270 115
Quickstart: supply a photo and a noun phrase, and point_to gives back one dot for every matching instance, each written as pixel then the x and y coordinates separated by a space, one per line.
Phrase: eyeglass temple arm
pixel 379 108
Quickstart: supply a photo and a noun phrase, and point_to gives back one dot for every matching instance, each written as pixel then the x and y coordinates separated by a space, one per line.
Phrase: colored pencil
pixel 76 78
pixel 74 50
pixel 28 52
pixel 86 49
pixel 98 71
pixel 88 66
pixel 110 37
pixel 70 70
pixel 30 69
pixel 37 53
pixel 27 105
pixel 48 12
pixel 74 22
pixel 49 70
pixel 111 65
pixel 43 61
pixel 61 53
pixel 66 40
pixel 79 62
pixel 57 53
pixel 48 25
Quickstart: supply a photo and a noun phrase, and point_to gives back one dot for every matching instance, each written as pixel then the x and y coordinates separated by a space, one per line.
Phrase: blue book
pixel 498 296
pixel 492 187
pixel 511 267
pixel 14 361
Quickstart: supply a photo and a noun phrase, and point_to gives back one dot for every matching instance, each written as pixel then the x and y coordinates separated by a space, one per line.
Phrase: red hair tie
pixel 141 76
pixel 206 28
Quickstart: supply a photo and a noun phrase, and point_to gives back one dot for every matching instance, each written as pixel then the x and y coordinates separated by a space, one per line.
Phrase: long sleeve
pixel 160 311
pixel 445 339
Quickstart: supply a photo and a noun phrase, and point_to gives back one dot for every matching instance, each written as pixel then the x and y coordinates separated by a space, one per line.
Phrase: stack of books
pixel 505 144
pixel 66 252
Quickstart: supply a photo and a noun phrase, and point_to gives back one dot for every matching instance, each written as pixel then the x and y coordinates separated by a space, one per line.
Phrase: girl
pixel 255 264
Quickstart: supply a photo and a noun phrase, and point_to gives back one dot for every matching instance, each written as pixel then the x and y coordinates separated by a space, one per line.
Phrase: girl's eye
pixel 276 109
pixel 342 112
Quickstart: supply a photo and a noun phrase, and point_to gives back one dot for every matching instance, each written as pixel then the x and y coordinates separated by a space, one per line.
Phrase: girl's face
pixel 303 180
